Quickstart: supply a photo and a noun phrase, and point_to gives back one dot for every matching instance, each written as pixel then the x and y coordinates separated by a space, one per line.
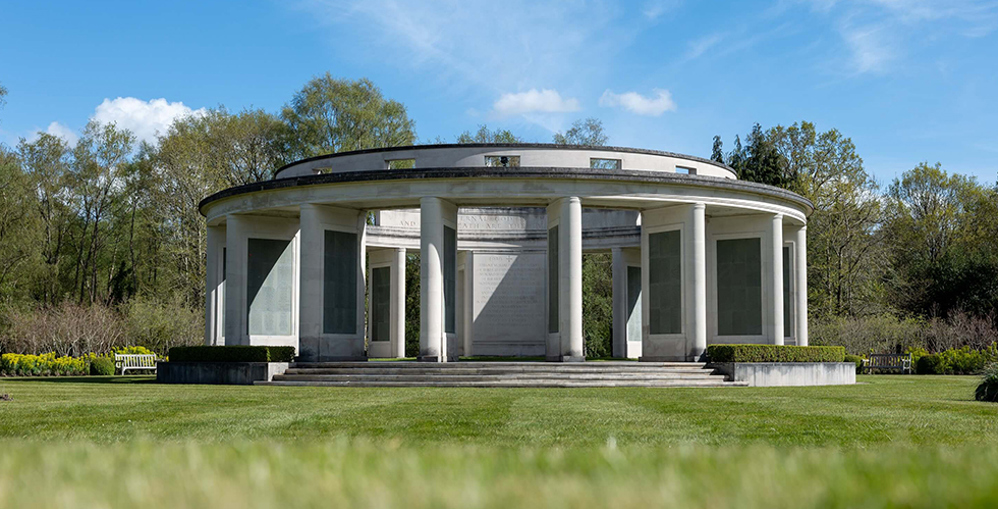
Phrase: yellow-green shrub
pixel 14 364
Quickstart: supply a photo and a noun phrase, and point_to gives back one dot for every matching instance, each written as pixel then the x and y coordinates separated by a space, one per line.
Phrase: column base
pixel 435 358
pixel 565 358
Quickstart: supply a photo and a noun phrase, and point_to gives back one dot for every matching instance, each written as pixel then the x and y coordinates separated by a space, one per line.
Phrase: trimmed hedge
pixel 232 354
pixel 775 353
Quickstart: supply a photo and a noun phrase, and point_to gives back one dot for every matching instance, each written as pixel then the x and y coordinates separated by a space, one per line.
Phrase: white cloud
pixel 700 46
pixel 534 101
pixel 145 119
pixel 870 47
pixel 67 134
pixel 653 9
pixel 634 102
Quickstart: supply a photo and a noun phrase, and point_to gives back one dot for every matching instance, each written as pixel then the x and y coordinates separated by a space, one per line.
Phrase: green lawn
pixel 121 442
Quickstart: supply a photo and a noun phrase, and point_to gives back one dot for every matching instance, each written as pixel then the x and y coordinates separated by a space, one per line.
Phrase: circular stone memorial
pixel 315 258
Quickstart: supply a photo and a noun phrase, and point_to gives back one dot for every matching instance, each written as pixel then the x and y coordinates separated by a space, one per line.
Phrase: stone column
pixel 800 264
pixel 436 216
pixel 310 284
pixel 776 278
pixel 698 281
pixel 570 280
pixel 235 280
pixel 431 279
pixel 214 286
pixel 398 303
pixel 619 272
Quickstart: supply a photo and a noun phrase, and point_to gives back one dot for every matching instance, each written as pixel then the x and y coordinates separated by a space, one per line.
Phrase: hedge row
pixel 775 353
pixel 232 354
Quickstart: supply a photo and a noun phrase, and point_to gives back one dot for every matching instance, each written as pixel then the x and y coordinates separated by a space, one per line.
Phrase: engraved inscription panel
pixel 508 298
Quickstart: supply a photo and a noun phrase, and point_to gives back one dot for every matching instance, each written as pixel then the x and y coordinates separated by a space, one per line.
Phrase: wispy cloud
pixel 654 9
pixel 877 33
pixel 698 47
pixel 534 101
pixel 870 48
pixel 653 106
pixel 479 50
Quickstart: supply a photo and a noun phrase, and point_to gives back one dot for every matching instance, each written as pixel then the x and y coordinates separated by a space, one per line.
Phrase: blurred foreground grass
pixel 891 441
pixel 357 473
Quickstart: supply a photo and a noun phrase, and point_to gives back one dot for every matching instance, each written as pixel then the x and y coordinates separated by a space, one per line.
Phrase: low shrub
pixel 102 366
pixel 929 365
pixel 856 360
pixel 775 353
pixel 12 364
pixel 232 354
pixel 134 350
pixel 988 389
pixel 955 361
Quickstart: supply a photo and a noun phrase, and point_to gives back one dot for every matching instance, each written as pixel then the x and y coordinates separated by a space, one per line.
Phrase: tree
pixel 3 96
pixel 334 115
pixel 99 161
pixel 588 132
pixel 484 135
pixel 717 152
pixel 47 161
pixel 17 222
pixel 939 228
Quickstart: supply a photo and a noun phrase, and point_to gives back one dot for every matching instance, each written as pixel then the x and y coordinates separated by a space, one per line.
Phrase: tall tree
pixel 99 161
pixel 717 152
pixel 588 132
pixel 18 230
pixel 939 228
pixel 331 115
pixel 47 161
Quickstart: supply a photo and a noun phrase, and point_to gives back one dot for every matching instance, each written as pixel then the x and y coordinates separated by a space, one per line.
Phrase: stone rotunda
pixel 315 258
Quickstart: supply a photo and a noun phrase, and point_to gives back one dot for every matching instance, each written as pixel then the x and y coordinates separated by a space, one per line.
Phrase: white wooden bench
pixel 888 361
pixel 126 362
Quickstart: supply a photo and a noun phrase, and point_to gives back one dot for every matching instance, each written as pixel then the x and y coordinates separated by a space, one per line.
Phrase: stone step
pixel 479 377
pixel 547 383
pixel 545 366
pixel 490 371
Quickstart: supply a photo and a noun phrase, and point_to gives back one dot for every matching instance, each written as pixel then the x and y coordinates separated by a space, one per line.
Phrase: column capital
pixel 700 205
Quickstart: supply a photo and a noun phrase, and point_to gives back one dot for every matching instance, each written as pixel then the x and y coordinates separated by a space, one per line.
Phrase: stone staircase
pixel 501 374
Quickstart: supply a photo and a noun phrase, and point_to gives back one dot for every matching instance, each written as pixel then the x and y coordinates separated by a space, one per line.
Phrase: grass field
pixel 900 441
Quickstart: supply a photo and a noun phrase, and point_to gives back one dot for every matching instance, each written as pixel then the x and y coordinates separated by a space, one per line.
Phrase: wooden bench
pixel 888 361
pixel 126 362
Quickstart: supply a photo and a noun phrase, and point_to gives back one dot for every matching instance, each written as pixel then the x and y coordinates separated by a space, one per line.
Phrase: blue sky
pixel 907 80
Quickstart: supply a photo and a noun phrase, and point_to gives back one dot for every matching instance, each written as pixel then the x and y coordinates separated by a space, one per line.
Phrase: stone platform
pixel 501 374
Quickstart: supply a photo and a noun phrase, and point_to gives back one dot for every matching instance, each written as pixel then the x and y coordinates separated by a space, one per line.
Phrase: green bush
pixel 988 389
pixel 102 366
pixel 134 350
pixel 929 365
pixel 232 354
pixel 856 360
pixel 775 353
pixel 955 361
